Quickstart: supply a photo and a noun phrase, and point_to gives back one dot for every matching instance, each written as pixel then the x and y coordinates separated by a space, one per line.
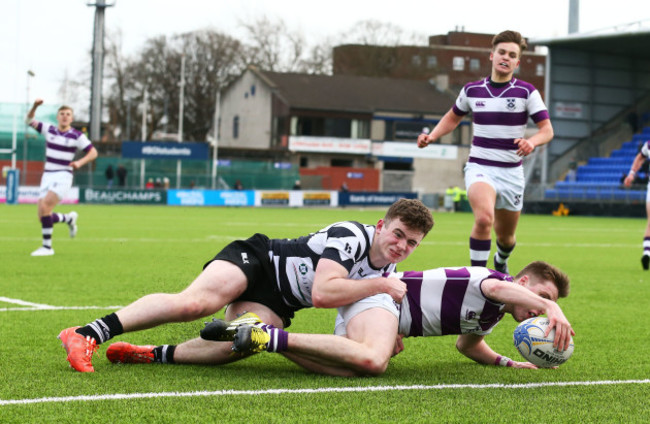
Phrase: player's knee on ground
pixel 372 363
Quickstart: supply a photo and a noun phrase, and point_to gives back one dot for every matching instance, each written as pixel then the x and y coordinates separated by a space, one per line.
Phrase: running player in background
pixel 641 157
pixel 494 176
pixel 273 278
pixel 62 142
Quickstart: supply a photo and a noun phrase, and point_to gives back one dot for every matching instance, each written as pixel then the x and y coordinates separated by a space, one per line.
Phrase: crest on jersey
pixel 302 269
pixel 510 104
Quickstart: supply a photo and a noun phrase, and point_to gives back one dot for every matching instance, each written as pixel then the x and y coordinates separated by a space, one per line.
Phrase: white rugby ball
pixel 535 347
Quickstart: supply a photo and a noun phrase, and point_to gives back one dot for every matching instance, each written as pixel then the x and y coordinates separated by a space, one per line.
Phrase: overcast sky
pixel 53 38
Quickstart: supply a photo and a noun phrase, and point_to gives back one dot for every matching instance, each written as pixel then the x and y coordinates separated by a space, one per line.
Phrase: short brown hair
pixel 545 271
pixel 510 37
pixel 412 213
pixel 65 107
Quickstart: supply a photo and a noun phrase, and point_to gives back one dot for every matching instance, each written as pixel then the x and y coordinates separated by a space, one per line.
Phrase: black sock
pixel 103 329
pixel 164 354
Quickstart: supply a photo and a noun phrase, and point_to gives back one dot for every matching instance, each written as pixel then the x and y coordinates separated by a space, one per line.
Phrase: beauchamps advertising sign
pixel 113 196
pixel 170 150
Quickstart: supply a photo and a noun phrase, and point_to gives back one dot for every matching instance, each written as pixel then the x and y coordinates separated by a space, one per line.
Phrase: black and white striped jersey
pixel 295 260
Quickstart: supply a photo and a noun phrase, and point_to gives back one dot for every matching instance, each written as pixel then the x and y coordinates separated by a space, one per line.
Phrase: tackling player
pixel 494 178
pixel 62 142
pixel 336 266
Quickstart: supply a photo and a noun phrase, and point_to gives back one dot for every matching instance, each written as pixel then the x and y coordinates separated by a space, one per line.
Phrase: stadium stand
pixel 600 179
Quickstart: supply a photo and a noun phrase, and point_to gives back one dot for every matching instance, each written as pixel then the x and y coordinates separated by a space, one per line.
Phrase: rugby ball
pixel 535 348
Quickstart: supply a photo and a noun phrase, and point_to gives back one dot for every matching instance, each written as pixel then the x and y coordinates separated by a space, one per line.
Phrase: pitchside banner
pixel 29 194
pixel 115 196
pixel 211 197
pixel 159 150
pixel 372 199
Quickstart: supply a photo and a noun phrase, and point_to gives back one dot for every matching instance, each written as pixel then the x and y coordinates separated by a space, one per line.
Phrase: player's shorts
pixel 58 182
pixel 509 183
pixel 252 257
pixel 647 194
pixel 346 313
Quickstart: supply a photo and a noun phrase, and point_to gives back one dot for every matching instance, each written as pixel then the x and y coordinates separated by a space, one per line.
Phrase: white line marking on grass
pixel 122 396
pixel 24 303
pixel 40 307
pixel 60 308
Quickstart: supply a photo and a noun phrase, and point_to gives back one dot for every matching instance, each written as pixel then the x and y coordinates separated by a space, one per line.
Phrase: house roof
pixel 357 94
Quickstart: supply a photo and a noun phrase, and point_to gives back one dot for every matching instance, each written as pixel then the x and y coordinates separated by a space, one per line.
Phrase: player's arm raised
pixel 32 112
pixel 475 348
pixel 514 294
pixel 332 287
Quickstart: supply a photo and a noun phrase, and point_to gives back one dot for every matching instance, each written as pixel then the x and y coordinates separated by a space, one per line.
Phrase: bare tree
pixel 376 33
pixel 212 60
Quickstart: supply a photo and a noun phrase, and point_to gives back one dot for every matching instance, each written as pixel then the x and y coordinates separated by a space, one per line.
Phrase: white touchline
pixel 118 396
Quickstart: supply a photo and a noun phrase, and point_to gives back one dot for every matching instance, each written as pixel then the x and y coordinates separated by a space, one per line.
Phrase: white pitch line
pixel 59 308
pixel 119 396
pixel 24 303
pixel 31 306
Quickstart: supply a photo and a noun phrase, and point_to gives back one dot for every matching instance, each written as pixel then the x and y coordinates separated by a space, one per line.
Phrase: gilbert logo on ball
pixel 535 347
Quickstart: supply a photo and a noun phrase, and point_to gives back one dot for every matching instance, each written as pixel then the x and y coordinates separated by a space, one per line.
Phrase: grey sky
pixel 54 38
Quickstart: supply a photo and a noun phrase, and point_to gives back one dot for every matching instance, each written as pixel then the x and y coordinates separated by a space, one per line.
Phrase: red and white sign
pixel 329 145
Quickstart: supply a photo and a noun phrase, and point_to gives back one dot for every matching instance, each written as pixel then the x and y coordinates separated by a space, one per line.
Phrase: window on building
pixel 539 70
pixel 432 62
pixel 458 63
pixel 360 128
pixel 416 60
pixel 349 163
pixel 235 127
pixel 474 65
pixel 253 90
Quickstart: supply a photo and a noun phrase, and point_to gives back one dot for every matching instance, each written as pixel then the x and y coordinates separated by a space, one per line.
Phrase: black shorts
pixel 252 257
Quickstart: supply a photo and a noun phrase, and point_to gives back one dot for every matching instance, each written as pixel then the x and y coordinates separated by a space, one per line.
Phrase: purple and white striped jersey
pixel 295 260
pixel 60 147
pixel 500 115
pixel 445 301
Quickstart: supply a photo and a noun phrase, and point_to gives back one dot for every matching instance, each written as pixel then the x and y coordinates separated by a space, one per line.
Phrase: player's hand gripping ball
pixel 537 349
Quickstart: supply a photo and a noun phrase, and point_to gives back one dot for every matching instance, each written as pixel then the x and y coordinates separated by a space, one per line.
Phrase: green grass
pixel 124 252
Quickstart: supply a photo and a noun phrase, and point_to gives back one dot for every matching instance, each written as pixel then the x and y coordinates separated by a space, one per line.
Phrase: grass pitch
pixel 124 252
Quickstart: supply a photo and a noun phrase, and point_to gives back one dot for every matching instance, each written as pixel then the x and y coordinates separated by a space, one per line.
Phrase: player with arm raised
pixel 62 142
pixel 494 178
pixel 272 278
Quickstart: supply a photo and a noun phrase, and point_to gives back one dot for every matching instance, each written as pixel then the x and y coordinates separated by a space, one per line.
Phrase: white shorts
pixel 509 183
pixel 58 182
pixel 346 313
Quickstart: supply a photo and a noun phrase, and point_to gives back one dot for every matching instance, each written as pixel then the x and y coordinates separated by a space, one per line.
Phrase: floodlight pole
pixel 217 118
pixel 144 135
pixel 97 69
pixel 180 119
pixel 30 75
